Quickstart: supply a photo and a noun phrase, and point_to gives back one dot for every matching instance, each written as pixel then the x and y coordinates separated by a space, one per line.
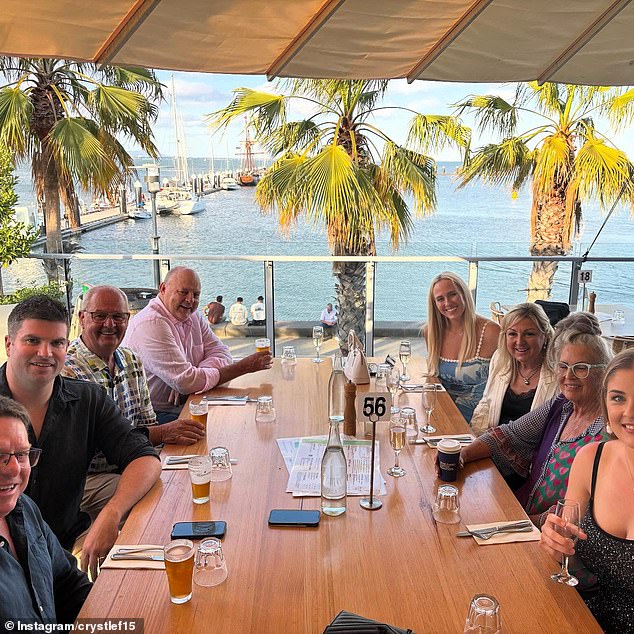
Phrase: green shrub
pixel 56 291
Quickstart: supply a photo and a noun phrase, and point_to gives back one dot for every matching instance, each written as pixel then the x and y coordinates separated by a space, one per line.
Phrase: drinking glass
pixel 429 403
pixel 200 474
pixel 179 565
pixel 220 464
pixel 408 416
pixel 618 318
pixel 263 345
pixel 264 410
pixel 393 381
pixel 198 411
pixel 397 440
pixel 318 337
pixel 288 355
pixel 210 567
pixel 445 509
pixel 483 616
pixel 404 354
pixel 382 371
pixel 568 511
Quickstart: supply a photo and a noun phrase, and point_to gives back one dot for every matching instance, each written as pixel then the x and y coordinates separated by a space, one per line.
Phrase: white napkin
pixel 139 564
pixel 181 465
pixel 504 538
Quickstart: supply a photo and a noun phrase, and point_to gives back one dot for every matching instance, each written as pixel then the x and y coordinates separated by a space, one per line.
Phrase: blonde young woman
pixel 602 481
pixel 520 378
pixel 460 343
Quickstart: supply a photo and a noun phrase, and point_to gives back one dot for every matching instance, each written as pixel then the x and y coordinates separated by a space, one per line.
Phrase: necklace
pixel 527 379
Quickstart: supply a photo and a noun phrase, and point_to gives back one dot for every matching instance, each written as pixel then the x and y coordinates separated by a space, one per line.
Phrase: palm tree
pixel 337 168
pixel 67 118
pixel 565 157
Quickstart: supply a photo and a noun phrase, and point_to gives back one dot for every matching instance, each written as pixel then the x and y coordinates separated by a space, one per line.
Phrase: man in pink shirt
pixel 180 352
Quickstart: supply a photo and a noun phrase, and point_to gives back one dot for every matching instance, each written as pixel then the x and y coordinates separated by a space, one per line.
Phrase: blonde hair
pixel 436 323
pixel 622 361
pixel 536 314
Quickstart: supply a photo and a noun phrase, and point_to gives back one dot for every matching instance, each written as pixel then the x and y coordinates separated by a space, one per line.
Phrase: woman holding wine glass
pixel 602 483
pixel 460 343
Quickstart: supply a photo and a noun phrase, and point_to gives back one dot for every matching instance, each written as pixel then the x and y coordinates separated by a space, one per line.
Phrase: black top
pixel 80 419
pixel 514 406
pixel 43 584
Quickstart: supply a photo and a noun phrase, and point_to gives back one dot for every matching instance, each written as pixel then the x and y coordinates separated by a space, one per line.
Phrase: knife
pixel 121 556
pixel 495 529
pixel 171 460
pixel 209 397
pixel 140 549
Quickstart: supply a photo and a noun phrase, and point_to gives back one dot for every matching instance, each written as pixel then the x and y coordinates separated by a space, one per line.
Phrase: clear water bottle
pixel 336 389
pixel 333 473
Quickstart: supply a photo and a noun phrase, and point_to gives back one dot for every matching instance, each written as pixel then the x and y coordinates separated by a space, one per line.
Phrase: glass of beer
pixel 179 565
pixel 200 475
pixel 198 412
pixel 263 345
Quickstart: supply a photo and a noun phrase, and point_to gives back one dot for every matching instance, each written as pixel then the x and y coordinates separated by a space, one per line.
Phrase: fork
pixel 485 536
pixel 127 551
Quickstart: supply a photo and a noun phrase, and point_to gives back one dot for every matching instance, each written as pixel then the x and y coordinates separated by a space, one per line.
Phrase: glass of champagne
pixel 404 354
pixel 318 337
pixel 393 382
pixel 429 403
pixel 397 440
pixel 568 511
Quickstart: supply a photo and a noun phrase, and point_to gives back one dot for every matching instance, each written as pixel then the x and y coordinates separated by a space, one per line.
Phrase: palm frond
pixel 432 133
pixel 15 115
pixel 291 136
pixel 620 109
pixel 491 113
pixel 553 164
pixel 547 96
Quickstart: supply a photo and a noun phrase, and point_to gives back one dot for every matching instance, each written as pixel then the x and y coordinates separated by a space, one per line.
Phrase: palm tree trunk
pixel 54 269
pixel 71 205
pixel 350 289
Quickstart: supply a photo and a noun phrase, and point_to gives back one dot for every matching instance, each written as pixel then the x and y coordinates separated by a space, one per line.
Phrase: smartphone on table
pixel 198 530
pixel 294 517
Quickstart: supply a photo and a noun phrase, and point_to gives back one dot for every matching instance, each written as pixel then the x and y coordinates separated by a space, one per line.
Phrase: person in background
pixel 238 314
pixel 602 482
pixel 70 420
pixel 180 352
pixel 215 311
pixel 460 343
pixel 258 312
pixel 519 376
pixel 96 355
pixel 39 580
pixel 328 320
pixel 542 444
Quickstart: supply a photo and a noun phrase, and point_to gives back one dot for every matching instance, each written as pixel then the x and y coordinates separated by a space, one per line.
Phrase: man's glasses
pixel 100 317
pixel 31 456
pixel 580 370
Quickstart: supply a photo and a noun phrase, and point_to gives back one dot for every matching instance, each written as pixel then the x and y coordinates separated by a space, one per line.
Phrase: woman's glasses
pixel 580 370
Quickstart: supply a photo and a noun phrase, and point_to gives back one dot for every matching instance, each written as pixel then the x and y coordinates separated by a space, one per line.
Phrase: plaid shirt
pixel 128 387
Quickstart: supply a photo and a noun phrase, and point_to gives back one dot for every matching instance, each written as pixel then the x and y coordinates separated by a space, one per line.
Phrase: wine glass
pixel 318 337
pixel 567 510
pixel 404 354
pixel 397 440
pixel 429 403
pixel 393 382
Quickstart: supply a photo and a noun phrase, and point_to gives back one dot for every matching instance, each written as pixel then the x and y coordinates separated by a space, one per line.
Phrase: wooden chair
pixel 497 311
pixel 621 343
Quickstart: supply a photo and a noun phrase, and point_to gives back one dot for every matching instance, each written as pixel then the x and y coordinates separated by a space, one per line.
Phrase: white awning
pixel 575 41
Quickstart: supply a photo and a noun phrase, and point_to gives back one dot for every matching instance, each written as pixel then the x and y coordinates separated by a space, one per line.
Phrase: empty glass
pixel 408 417
pixel 264 410
pixel 446 506
pixel 382 371
pixel 618 317
pixel 220 464
pixel 210 568
pixel 393 381
pixel 483 616
pixel 430 392
pixel 288 355
pixel 200 475
pixel 318 338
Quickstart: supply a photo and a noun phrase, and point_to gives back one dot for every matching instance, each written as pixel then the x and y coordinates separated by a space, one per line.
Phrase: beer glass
pixel 200 475
pixel 198 412
pixel 179 565
pixel 263 345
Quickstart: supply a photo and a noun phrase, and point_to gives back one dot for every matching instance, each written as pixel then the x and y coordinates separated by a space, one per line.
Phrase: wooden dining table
pixel 395 564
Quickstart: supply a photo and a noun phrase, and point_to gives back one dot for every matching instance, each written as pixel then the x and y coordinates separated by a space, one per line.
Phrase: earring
pixel 608 428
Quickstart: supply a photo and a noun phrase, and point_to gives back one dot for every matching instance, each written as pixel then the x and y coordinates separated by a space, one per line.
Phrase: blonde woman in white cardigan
pixel 520 378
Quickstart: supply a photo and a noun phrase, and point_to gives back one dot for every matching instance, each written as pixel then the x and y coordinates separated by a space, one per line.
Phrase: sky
pixel 198 94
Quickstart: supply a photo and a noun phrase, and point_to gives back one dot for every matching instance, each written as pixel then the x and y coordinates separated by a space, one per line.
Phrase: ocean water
pixel 478 220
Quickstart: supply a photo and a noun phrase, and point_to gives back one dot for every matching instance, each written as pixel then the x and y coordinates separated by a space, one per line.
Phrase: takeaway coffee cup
pixel 448 458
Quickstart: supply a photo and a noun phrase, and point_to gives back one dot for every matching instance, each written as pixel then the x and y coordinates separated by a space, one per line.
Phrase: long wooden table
pixel 395 565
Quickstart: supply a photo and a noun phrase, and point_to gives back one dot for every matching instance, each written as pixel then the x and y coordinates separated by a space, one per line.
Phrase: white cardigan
pixel 488 410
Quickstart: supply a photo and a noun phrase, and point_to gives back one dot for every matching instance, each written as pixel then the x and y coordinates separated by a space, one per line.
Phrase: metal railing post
pixel 369 307
pixel 573 295
pixel 473 280
pixel 269 302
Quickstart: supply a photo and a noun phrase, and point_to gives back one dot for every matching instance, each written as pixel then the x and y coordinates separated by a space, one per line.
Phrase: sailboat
pixel 248 175
pixel 177 197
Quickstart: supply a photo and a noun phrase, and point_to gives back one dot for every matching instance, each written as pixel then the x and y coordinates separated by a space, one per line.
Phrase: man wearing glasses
pixel 69 420
pixel 39 581
pixel 180 352
pixel 97 356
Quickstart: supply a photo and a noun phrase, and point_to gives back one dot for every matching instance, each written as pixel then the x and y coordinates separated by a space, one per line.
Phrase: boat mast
pixel 180 157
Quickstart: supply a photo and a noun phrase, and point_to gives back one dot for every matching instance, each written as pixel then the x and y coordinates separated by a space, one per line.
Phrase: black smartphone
pixel 293 517
pixel 198 530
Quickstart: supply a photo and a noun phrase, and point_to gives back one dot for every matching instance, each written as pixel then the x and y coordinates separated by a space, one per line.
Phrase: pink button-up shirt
pixel 180 358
